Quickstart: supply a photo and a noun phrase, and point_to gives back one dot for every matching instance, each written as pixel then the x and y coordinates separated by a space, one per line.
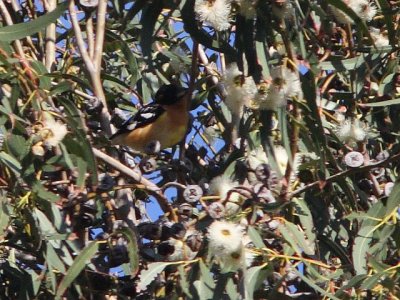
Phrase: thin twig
pixel 344 174
pixel 90 36
pixel 100 29
pixel 153 189
pixel 50 5
pixel 94 66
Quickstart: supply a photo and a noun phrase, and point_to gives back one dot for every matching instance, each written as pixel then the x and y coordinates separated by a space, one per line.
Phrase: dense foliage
pixel 285 186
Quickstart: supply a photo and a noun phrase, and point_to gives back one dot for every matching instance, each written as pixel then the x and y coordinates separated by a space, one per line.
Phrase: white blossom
pixel 281 158
pixel 285 84
pixel 351 131
pixel 379 39
pixel 363 8
pixel 239 93
pixel 225 238
pixel 221 185
pixel 181 251
pixel 256 157
pixel 53 132
pixel 214 12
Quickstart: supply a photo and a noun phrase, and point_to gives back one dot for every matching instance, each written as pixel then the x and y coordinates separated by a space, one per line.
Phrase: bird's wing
pixel 146 115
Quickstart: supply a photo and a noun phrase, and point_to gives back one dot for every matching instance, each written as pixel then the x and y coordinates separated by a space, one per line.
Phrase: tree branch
pixel 153 189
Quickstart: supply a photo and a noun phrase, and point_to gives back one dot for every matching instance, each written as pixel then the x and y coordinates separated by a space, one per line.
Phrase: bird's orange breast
pixel 168 129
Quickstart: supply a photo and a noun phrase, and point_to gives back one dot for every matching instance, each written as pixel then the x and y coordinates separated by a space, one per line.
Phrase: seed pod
pixel 388 188
pixel 165 248
pixel 306 176
pixel 192 193
pixel 263 172
pixel 185 209
pixel 273 180
pixel 89 3
pixel 178 231
pixel 185 165
pixel 365 185
pixel 194 242
pixel 354 159
pixel 382 155
pixel 216 210
pixel 93 105
pixel 150 231
pixel 106 182
pixel 147 165
pixel 118 255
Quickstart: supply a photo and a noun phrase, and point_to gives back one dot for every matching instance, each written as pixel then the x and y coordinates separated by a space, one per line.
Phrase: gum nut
pixel 354 159
pixel 178 231
pixel 216 210
pixel 185 209
pixel 388 188
pixel 263 172
pixel 192 193
pixel 194 242
pixel 89 3
pixel 106 182
pixel 382 155
pixel 147 165
pixel 150 231
pixel 38 150
pixel 165 248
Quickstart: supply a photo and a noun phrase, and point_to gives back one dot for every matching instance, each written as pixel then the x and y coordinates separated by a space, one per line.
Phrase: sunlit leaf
pixel 76 268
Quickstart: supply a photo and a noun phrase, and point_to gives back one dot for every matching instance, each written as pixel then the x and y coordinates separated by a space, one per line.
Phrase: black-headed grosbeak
pixel 165 121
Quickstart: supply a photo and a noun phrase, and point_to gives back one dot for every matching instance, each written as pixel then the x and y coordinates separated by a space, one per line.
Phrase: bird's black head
pixel 169 94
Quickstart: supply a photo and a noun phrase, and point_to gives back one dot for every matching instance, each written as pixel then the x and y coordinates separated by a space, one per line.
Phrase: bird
pixel 163 123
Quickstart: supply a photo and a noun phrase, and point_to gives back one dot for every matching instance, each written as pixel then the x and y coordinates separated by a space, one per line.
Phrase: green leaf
pixel 133 250
pixel 394 199
pixel 383 103
pixel 312 284
pixel 44 194
pixel 371 281
pixel 183 282
pixel 283 126
pixel 353 282
pixel 82 168
pixel 17 145
pixel 387 13
pixel 205 285
pixel 53 260
pixel 41 72
pixel 11 162
pixel 19 31
pixel 364 238
pixel 78 265
pixel 255 237
pixel 340 65
pixel 85 149
pixel 231 290
pixel 148 21
pixel 252 278
pixel 62 87
pixel 296 238
pixel 4 216
pixel 128 55
pixel 305 216
pixel 148 275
